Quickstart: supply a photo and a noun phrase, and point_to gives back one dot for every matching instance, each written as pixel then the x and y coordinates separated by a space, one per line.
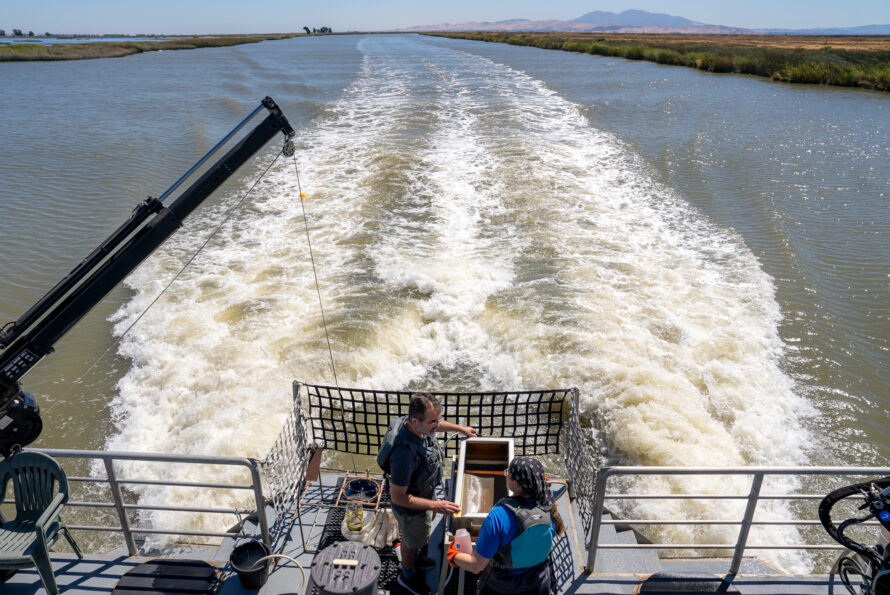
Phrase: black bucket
pixel 243 559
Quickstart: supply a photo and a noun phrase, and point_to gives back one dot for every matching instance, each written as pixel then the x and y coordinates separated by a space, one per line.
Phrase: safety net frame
pixel 354 421
pixel 580 461
pixel 285 468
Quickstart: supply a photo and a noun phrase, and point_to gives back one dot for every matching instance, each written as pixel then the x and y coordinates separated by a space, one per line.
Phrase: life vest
pixel 389 441
pixel 534 538
pixel 429 474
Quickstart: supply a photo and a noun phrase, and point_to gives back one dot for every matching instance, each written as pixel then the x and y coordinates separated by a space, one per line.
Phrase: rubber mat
pixel 168 577
pixel 389 570
pixel 666 583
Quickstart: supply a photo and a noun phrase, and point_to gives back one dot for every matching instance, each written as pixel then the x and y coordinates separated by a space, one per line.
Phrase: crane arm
pixel 29 339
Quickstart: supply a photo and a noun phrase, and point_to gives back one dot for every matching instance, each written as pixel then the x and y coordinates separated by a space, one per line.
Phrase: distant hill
pixel 634 18
pixel 635 21
pixel 629 21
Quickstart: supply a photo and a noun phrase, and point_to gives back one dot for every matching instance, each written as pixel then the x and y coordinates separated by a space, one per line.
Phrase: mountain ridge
pixel 635 21
pixel 634 18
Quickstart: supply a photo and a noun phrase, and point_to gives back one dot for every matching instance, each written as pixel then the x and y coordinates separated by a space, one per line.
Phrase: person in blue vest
pixel 415 472
pixel 514 543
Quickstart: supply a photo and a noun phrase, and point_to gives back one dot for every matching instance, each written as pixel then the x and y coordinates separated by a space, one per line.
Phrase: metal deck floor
pixel 98 574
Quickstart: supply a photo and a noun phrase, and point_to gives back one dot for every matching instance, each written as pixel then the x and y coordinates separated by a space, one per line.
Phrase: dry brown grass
pixel 86 51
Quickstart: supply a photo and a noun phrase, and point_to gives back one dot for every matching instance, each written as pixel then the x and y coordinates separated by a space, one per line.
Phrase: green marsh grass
pixel 864 62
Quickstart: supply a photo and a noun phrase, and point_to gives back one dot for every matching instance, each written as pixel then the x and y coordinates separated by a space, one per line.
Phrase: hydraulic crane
pixel 26 341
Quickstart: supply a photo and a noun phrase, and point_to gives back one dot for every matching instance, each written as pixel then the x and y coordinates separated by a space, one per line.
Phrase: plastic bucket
pixel 243 560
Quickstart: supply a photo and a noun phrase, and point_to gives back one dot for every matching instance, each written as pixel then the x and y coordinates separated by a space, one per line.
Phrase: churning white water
pixel 471 230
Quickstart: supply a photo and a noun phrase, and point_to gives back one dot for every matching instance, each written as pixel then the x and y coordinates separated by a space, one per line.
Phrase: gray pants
pixel 414 529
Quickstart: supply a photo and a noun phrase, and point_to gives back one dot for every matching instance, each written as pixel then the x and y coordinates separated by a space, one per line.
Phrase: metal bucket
pixel 244 562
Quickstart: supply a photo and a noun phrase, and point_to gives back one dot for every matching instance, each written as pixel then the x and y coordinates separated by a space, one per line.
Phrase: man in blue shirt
pixel 416 471
pixel 527 483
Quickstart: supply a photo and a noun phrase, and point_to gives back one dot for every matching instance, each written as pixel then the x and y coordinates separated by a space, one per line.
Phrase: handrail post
pixel 260 501
pixel 746 523
pixel 599 499
pixel 119 506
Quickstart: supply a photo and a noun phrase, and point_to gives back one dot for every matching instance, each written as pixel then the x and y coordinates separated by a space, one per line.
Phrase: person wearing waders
pixel 415 467
pixel 514 543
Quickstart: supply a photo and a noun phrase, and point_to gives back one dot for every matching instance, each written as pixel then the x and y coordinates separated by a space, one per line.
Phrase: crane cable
pixel 318 291
pixel 315 273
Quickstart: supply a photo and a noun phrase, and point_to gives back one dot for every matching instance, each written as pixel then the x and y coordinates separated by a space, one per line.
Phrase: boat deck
pixel 95 575
pixel 619 571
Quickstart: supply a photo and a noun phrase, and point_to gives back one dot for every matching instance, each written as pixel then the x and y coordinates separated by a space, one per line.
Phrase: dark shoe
pixel 424 563
pixel 416 584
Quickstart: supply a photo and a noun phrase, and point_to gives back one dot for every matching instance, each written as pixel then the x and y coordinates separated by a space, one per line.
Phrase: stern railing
pixel 753 497
pixel 116 482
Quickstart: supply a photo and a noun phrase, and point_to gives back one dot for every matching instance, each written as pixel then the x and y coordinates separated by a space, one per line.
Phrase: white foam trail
pixel 471 230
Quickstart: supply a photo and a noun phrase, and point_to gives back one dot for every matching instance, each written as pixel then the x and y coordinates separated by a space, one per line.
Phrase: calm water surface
pixel 704 256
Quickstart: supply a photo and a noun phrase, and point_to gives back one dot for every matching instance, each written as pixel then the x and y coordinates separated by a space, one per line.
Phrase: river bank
pixel 86 51
pixel 848 61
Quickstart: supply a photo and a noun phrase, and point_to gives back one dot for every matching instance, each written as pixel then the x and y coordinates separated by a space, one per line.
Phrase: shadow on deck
pixel 622 574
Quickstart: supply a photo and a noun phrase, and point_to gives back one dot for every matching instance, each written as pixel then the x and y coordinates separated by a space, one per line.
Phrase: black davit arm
pixel 30 338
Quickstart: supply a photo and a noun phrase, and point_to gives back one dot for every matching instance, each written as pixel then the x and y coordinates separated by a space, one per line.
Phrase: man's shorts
pixel 414 529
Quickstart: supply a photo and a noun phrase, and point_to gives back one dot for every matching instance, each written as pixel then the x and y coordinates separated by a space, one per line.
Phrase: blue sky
pixel 243 16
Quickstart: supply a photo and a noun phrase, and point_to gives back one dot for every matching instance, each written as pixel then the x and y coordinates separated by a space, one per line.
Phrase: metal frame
pixel 753 497
pixel 285 467
pixel 354 420
pixel 469 517
pixel 343 500
pixel 114 482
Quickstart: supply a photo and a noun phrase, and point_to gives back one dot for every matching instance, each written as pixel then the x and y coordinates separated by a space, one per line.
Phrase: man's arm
pixel 399 495
pixel 447 426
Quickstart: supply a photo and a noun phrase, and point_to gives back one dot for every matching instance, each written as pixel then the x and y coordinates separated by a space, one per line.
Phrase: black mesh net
pixel 355 420
pixel 284 468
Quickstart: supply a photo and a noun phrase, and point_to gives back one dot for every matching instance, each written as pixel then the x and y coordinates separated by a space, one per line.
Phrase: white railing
pixel 115 482
pixel 754 496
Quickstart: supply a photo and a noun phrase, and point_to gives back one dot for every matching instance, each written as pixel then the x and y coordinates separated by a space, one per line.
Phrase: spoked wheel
pixel 863 564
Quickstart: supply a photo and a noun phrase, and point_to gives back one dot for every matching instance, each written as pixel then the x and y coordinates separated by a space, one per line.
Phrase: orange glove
pixel 451 553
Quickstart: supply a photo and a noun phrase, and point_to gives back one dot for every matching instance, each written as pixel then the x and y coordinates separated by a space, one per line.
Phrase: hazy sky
pixel 243 16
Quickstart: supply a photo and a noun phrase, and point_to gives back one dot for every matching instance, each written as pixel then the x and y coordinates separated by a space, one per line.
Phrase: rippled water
pixel 704 256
